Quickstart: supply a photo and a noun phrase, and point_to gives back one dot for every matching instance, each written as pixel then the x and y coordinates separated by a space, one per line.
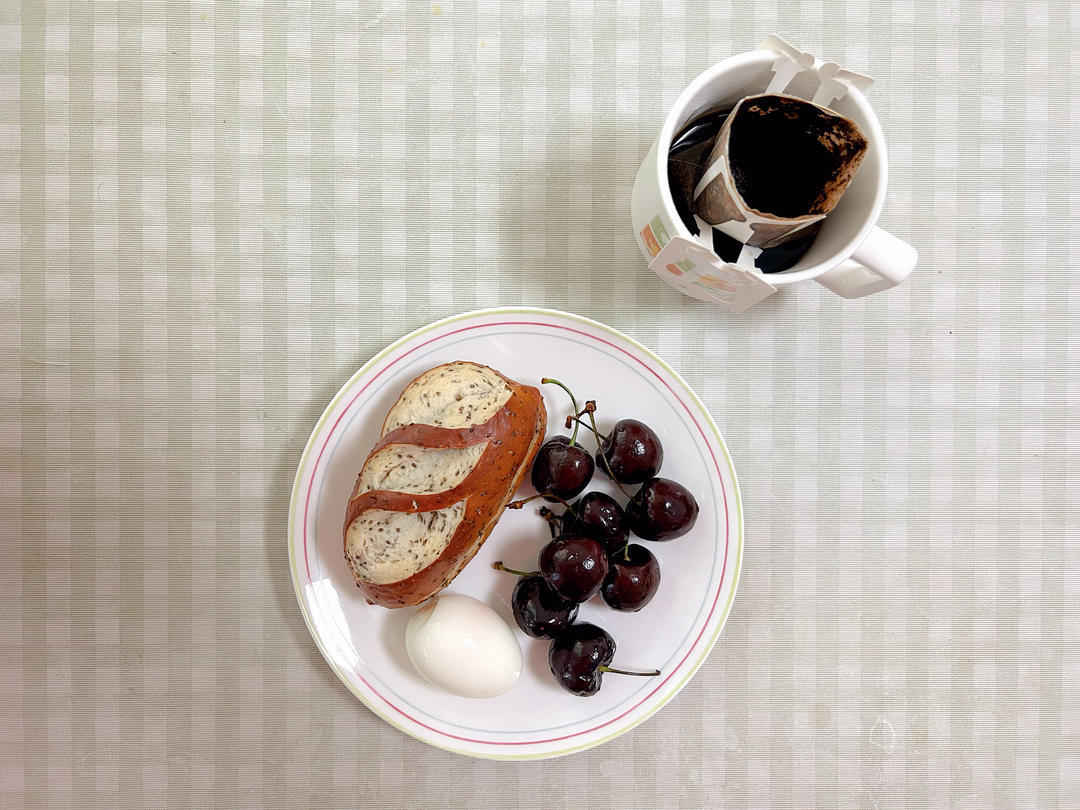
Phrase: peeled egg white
pixel 463 646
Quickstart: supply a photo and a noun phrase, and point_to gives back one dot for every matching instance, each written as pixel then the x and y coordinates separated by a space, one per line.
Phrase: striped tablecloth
pixel 212 214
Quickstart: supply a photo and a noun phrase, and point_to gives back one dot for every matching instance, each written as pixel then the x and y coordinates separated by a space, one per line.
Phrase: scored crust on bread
pixel 453 449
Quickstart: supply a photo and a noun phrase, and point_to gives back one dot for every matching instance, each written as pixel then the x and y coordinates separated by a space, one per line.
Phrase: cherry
pixel 599 516
pixel 633 578
pixel 631 453
pixel 661 510
pixel 579 657
pixel 562 469
pixel 574 566
pixel 538 610
pixel 575 657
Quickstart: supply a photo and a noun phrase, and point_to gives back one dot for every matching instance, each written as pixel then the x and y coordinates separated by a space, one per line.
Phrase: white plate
pixel 536 719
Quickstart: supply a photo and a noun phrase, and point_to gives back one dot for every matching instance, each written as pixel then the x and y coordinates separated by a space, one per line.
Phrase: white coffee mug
pixel 850 255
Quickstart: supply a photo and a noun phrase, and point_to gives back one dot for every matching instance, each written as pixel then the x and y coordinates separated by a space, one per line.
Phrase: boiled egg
pixel 459 644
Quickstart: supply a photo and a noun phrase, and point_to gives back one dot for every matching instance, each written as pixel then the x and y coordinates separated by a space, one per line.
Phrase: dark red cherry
pixel 579 657
pixel 632 452
pixel 661 510
pixel 561 470
pixel 538 610
pixel 576 655
pixel 599 516
pixel 633 578
pixel 574 566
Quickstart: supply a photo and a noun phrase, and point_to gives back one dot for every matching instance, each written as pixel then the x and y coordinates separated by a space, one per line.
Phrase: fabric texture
pixel 212 214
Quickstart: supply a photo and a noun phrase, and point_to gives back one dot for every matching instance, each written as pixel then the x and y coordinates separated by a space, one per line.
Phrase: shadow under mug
pixel 850 255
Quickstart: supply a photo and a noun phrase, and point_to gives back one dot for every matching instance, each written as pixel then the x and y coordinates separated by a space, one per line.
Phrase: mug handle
pixel 880 263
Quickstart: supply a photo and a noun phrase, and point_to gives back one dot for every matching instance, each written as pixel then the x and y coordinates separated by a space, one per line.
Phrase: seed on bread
pixel 418 538
pixel 418 470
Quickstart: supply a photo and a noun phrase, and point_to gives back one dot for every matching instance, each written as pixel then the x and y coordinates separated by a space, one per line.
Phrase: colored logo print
pixel 650 241
pixel 659 230
pixel 678 268
pixel 655 236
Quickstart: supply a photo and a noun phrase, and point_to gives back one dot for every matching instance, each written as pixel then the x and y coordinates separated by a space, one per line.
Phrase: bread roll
pixel 453 449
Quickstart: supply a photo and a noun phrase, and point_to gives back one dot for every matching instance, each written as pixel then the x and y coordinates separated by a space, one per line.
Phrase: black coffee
pixel 687 158
pixel 773 259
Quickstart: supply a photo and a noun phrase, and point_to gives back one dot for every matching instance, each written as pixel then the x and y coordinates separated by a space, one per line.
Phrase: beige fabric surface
pixel 212 214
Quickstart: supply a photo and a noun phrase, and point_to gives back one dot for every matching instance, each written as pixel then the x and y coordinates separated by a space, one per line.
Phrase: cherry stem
pixel 592 419
pixel 599 450
pixel 522 501
pixel 626 550
pixel 552 521
pixel 498 566
pixel 573 401
pixel 576 420
pixel 628 672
